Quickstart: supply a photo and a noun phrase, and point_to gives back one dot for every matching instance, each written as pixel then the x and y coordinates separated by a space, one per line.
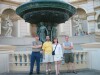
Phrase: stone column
pixel 0 23
pixel 33 29
pixel 65 28
pixel 91 22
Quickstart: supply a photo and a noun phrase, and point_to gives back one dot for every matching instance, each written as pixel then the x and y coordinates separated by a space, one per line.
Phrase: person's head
pixel 41 23
pixel 47 38
pixel 55 40
pixel 37 37
pixel 67 38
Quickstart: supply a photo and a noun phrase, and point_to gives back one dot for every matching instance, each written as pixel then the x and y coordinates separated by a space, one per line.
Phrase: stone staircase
pixel 23 43
pixel 78 40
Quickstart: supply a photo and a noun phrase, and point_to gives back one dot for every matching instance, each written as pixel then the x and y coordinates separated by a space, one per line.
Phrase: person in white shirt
pixel 58 55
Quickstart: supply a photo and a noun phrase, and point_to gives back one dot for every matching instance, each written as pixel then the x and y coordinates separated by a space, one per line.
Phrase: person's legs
pixel 67 59
pixel 59 62
pixel 38 62
pixel 46 61
pixel 72 63
pixel 47 67
pixel 32 62
pixel 56 68
pixel 50 59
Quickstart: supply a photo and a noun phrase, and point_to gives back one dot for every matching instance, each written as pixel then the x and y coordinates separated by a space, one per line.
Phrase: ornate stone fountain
pixel 46 14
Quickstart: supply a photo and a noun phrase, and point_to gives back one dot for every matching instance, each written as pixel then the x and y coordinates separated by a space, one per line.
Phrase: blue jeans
pixel 35 56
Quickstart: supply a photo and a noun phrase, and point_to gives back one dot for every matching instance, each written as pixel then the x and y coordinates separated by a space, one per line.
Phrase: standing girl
pixel 58 55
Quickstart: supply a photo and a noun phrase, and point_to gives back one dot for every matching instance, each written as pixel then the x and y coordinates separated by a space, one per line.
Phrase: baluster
pixel 13 60
pixel 28 60
pixel 85 57
pixel 75 59
pixel 18 59
pixel 23 60
pixel 80 57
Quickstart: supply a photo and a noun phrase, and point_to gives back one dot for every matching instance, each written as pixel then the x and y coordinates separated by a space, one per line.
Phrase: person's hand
pixel 61 57
pixel 41 52
pixel 43 56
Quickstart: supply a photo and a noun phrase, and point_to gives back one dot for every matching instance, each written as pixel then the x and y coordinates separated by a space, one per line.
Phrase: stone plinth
pixel 91 45
pixel 97 36
pixel 94 54
pixel 4 57
pixel 7 48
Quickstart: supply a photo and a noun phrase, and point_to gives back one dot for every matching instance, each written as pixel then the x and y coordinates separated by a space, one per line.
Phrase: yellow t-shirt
pixel 47 47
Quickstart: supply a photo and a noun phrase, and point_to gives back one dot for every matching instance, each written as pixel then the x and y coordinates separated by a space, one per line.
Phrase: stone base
pixel 16 40
pixel 7 48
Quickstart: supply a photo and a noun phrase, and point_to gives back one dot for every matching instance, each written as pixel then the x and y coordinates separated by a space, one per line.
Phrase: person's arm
pixel 71 47
pixel 61 51
pixel 43 48
pixel 34 46
pixel 37 46
pixel 65 47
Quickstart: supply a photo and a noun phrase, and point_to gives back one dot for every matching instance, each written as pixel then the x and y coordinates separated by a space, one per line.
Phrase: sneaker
pixel 75 72
pixel 30 73
pixel 38 72
pixel 50 72
pixel 47 73
pixel 68 71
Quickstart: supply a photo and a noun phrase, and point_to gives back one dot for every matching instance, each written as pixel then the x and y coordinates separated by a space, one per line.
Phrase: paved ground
pixel 88 72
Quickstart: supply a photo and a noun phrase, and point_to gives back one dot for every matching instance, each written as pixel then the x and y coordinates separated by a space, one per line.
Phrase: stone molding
pixel 78 1
pixel 97 7
pixel 91 14
pixel 10 2
pixel 7 48
pixel 91 45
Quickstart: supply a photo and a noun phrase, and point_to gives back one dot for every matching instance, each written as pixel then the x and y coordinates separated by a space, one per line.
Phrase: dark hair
pixel 54 39
pixel 66 36
pixel 36 35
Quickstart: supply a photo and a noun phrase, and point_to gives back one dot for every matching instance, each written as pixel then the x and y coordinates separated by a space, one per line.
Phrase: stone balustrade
pixel 20 61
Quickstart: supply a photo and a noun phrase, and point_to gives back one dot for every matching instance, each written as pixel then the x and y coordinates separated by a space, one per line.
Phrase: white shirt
pixel 58 50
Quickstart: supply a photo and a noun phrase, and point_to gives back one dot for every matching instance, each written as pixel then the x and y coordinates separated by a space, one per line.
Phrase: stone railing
pixel 20 61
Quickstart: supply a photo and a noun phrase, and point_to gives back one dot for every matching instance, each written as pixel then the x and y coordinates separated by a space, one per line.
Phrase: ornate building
pixel 87 10
pixel 81 28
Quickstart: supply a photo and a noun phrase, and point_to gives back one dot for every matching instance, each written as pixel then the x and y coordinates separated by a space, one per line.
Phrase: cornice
pixel 78 2
pixel 10 2
pixel 91 13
